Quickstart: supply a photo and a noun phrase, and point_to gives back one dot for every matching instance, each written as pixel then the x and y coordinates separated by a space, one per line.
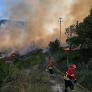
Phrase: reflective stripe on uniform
pixel 72 75
pixel 50 67
pixel 66 78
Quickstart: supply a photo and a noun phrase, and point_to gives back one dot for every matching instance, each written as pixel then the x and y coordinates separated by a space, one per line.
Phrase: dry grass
pixel 31 79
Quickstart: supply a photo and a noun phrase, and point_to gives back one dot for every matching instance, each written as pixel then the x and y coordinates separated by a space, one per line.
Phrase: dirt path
pixel 57 84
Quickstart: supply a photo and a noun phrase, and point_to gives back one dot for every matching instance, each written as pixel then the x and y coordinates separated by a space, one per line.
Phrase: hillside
pixel 29 75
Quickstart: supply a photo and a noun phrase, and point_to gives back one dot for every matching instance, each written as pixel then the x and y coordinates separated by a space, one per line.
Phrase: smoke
pixel 81 9
pixel 42 20
pixel 12 34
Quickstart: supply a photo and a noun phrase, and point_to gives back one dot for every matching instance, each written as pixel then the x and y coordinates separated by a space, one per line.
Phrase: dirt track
pixel 57 84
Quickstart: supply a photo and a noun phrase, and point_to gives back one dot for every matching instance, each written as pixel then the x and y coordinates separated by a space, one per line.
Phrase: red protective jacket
pixel 50 63
pixel 71 73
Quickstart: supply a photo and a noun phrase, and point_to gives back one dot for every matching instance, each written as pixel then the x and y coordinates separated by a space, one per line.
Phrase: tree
pixel 83 36
pixel 54 46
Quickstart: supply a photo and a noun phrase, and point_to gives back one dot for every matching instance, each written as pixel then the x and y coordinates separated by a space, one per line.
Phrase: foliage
pixel 54 46
pixel 82 35
pixel 24 75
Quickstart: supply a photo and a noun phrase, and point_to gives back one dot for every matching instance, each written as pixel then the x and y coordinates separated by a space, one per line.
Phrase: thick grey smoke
pixel 42 20
pixel 81 9
pixel 12 34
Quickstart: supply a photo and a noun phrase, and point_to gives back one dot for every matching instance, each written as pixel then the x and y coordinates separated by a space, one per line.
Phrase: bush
pixel 25 75
pixel 85 79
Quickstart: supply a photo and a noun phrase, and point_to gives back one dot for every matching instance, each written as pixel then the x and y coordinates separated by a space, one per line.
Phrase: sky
pixel 2 9
pixel 42 19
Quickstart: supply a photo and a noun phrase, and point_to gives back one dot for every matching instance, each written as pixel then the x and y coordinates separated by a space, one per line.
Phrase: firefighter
pixel 50 65
pixel 70 78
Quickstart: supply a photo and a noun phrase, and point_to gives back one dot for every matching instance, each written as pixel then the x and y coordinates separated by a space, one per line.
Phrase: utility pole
pixel 60 21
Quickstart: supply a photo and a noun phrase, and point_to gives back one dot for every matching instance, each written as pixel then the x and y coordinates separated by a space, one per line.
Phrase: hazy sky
pixel 42 18
pixel 2 8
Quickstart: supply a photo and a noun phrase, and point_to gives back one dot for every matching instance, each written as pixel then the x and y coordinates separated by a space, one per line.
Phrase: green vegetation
pixel 79 34
pixel 24 75
pixel 83 32
pixel 27 75
pixel 54 46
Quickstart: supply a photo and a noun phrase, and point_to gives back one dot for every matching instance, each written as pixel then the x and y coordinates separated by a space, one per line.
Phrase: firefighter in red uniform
pixel 70 78
pixel 50 65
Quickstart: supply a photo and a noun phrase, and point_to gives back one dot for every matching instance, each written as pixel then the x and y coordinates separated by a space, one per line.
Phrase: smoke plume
pixel 41 19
